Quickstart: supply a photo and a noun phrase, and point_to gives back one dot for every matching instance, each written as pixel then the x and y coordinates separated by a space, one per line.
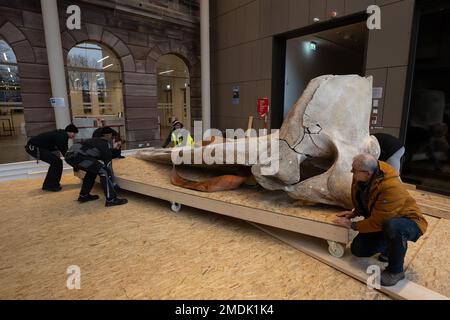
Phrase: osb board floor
pixel 143 250
pixel 431 266
pixel 154 174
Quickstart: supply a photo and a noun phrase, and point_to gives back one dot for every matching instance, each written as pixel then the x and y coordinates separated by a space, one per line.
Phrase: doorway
pixel 427 157
pixel 174 95
pixel 336 51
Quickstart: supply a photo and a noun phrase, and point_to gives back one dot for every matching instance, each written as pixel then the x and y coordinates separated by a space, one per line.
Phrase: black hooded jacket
pixel 96 148
pixel 53 141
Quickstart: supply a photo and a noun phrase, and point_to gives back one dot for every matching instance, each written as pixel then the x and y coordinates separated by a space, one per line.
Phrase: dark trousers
pixel 54 173
pixel 92 167
pixel 392 241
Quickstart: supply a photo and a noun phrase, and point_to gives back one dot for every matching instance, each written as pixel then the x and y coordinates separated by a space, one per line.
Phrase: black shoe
pixel 383 258
pixel 87 197
pixel 52 189
pixel 115 202
pixel 389 279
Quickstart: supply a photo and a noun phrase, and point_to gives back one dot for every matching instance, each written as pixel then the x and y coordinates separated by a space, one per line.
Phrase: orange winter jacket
pixel 388 198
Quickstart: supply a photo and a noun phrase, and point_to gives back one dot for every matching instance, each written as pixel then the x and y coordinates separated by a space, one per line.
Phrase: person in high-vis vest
pixel 179 137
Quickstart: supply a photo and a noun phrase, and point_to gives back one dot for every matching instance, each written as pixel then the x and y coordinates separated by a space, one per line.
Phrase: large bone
pixel 324 130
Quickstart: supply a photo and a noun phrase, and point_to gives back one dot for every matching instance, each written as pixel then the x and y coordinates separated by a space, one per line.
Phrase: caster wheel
pixel 175 207
pixel 336 249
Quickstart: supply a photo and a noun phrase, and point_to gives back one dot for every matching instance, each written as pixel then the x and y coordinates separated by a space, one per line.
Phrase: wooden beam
pixel 318 229
pixel 433 211
pixel 350 265
pixel 250 123
pixel 432 204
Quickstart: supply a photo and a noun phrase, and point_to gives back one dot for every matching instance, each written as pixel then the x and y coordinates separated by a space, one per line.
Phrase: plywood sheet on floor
pixel 145 251
pixel 414 247
pixel 431 266
pixel 275 201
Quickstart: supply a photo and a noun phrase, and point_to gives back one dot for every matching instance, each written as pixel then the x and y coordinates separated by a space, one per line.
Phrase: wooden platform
pixel 257 205
pixel 281 217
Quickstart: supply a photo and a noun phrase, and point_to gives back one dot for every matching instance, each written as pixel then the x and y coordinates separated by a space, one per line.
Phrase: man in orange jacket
pixel 392 217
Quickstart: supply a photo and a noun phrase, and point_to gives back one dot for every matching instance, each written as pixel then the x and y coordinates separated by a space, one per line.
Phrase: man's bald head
pixel 363 167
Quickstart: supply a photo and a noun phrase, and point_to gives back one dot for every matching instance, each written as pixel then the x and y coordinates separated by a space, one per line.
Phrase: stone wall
pixel 136 40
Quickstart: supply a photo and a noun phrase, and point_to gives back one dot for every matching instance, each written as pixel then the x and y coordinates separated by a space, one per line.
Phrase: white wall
pixel 303 65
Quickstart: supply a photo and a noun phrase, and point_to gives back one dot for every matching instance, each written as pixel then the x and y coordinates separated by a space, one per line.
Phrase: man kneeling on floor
pixel 85 156
pixel 392 217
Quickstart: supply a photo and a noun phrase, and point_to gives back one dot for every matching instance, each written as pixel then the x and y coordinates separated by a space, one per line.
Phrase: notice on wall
pixel 377 93
pixel 57 102
pixel 236 94
pixel 263 106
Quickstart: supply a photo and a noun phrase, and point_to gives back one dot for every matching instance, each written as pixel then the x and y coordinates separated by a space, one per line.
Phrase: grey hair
pixel 366 162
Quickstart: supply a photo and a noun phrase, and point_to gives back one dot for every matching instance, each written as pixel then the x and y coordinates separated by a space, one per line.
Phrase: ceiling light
pixel 102 59
pixel 168 87
pixel 168 71
pixel 313 46
pixel 110 65
pixel 316 19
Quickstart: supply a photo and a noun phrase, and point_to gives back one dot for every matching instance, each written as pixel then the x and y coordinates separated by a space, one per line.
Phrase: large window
pixel 12 121
pixel 95 83
pixel 9 75
pixel 173 93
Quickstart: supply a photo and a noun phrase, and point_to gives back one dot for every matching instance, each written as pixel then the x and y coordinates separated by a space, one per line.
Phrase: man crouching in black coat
pixel 44 146
pixel 88 156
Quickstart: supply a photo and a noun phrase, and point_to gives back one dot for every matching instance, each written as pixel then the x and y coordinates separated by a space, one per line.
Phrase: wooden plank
pixel 433 211
pixel 350 265
pixel 425 195
pixel 295 224
pixel 250 123
pixel 432 204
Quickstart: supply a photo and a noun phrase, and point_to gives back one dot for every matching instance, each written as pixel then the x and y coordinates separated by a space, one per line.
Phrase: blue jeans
pixel 392 241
